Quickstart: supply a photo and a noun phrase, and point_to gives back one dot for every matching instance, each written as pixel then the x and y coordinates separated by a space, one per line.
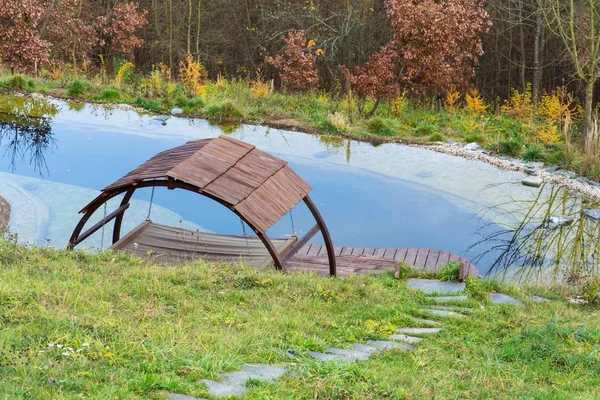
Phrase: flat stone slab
pixel 427 321
pixel 406 339
pixel 538 299
pixel 453 308
pixel 566 173
pixel 260 372
pixel 418 331
pixel 219 389
pixel 500 298
pixel 364 348
pixel 444 313
pixel 532 181
pixel 386 344
pixel 177 396
pixel 593 214
pixel 435 286
pixel 351 355
pixel 445 299
pixel 325 357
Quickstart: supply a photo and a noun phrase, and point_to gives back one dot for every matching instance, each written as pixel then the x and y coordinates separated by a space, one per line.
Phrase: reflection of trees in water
pixel 551 239
pixel 25 130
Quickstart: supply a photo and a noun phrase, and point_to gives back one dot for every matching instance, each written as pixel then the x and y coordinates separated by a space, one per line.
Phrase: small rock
pixel 473 147
pixel 566 174
pixel 576 300
pixel 434 286
pixel 176 111
pixel 219 389
pixel 583 180
pixel 530 171
pixel 556 221
pixel 593 214
pixel 418 331
pixel 455 309
pixel 406 338
pixel 533 181
pixel 535 165
pixel 264 372
pixel 538 299
pixel 386 344
pixel 593 183
pixel 500 298
pixel 552 168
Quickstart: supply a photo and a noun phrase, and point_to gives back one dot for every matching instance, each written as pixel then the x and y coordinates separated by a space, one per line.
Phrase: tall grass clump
pixel 77 88
pixel 380 126
pixel 221 112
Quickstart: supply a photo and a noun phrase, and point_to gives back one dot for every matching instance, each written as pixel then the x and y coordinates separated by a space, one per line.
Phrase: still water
pixel 55 157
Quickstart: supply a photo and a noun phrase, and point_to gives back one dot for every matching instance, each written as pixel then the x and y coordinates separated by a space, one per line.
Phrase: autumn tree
pixel 118 29
pixel 377 78
pixel 438 41
pixel 576 23
pixel 71 30
pixel 21 47
pixel 297 64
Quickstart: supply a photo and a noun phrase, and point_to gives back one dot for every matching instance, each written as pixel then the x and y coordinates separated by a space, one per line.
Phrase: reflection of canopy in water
pixel 256 186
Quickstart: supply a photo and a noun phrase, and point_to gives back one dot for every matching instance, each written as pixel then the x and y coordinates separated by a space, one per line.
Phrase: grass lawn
pixel 146 330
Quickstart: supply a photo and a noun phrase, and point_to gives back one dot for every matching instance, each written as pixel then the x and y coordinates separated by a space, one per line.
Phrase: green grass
pixel 153 330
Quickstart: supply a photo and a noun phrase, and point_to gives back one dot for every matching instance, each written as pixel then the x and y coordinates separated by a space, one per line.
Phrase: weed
pixel 77 88
pixel 511 147
pixel 425 128
pixel 533 152
pixel 437 137
pixel 220 112
pixel 380 126
pixel 20 83
pixel 110 94
pixel 124 73
pixel 450 272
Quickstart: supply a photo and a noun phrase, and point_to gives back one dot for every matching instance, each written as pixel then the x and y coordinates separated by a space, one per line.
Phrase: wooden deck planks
pixel 354 260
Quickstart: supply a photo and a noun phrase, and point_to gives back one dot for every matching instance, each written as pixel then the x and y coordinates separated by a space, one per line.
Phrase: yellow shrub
pixel 221 85
pixel 555 107
pixel 400 105
pixel 123 72
pixel 520 105
pixel 549 134
pixel 259 89
pixel 348 103
pixel 192 75
pixel 452 98
pixel 474 103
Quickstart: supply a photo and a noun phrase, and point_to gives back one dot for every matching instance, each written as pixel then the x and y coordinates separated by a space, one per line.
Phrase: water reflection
pixel 553 237
pixel 26 132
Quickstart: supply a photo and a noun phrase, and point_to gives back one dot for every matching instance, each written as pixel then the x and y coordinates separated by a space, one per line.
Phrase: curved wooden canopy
pixel 257 186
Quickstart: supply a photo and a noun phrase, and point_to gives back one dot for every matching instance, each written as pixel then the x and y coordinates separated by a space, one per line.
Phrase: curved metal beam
pixel 105 196
pixel 325 232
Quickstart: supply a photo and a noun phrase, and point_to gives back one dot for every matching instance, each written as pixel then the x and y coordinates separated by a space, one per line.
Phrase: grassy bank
pixel 518 128
pixel 144 331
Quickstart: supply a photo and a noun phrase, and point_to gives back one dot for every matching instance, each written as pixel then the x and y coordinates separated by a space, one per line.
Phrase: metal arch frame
pixel 278 259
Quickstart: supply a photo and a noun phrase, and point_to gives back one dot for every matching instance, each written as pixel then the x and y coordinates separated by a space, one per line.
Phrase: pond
pixel 55 157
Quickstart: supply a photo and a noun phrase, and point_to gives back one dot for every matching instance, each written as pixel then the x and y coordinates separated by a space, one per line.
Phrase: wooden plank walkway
pixel 354 260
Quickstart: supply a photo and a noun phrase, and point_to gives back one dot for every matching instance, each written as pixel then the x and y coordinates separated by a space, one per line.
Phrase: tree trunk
pixel 588 106
pixel 522 45
pixel 374 109
pixel 537 48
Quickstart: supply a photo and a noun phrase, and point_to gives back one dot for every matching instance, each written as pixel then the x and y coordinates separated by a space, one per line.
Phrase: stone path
pixel 445 307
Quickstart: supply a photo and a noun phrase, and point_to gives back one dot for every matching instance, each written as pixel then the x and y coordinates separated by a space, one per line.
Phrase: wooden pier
pixel 355 260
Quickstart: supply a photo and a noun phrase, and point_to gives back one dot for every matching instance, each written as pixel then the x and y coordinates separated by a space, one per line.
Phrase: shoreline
pixel 455 149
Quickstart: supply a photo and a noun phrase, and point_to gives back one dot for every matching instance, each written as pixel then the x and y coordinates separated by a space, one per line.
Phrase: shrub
pixel 475 137
pixel 437 137
pixel 338 121
pixel 380 126
pixel 534 152
pixel 425 128
pixel 109 94
pixel 296 66
pixel 511 147
pixel 152 105
pixel 223 112
pixel 77 88
pixel 450 272
pixel 192 75
pixel 474 103
pixel 124 73
pixel 20 83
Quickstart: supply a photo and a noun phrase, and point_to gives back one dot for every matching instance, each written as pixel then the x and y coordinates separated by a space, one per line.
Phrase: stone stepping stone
pixel 500 298
pixel 177 396
pixel 453 308
pixel 259 372
pixel 386 344
pixel 445 299
pixel 325 357
pixel 364 348
pixel 538 299
pixel 351 355
pixel 532 181
pixel 218 389
pixel 435 286
pixel 418 331
pixel 423 321
pixel 444 313
pixel 406 339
